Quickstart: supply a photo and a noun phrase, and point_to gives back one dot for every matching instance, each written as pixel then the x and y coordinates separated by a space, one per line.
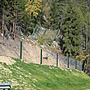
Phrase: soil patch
pixel 6 60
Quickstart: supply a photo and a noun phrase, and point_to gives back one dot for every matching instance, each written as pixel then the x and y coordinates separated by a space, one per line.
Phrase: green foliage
pixel 88 48
pixel 25 76
pixel 70 31
pixel 49 43
pixel 41 40
pixel 53 16
pixel 83 56
pixel 33 7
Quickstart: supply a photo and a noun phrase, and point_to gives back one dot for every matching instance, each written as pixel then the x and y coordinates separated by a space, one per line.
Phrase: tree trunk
pixel 88 66
pixel 86 27
pixel 14 23
pixel 84 65
pixel 0 22
pixel 87 34
pixel 13 29
pixel 3 24
pixel 81 39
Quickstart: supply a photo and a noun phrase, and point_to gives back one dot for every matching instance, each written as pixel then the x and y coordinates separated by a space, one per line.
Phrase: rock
pixel 55 44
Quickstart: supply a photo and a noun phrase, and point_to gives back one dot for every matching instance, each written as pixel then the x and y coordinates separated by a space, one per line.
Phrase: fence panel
pixel 79 65
pixel 72 63
pixel 31 54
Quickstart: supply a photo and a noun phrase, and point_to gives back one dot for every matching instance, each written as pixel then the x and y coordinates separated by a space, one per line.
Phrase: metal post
pixel 68 62
pixel 21 50
pixel 75 64
pixel 41 57
pixel 57 60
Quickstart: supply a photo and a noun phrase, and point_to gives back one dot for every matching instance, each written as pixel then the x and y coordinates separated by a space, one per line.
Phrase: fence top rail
pixel 5 85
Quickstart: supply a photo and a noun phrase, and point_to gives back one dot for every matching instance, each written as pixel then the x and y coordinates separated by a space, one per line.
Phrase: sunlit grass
pixel 40 77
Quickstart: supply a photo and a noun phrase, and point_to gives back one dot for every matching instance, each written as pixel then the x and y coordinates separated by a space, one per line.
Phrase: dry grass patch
pixel 6 60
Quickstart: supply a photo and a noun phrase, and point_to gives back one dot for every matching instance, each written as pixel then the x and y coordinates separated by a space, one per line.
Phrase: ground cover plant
pixel 29 76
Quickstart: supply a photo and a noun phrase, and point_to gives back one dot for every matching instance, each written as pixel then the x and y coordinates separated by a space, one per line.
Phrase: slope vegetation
pixel 28 76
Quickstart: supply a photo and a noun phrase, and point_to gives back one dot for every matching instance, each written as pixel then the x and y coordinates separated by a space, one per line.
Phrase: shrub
pixel 41 40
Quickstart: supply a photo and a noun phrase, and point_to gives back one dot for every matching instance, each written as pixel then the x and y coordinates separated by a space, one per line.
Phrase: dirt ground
pixel 7 60
pixel 30 52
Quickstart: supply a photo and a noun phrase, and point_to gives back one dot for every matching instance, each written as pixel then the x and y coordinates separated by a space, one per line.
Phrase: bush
pixel 41 40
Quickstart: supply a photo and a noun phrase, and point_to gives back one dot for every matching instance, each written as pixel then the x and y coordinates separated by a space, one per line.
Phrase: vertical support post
pixel 75 64
pixel 68 62
pixel 21 50
pixel 41 57
pixel 57 60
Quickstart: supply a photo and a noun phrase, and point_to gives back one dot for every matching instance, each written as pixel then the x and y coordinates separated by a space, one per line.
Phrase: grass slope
pixel 39 77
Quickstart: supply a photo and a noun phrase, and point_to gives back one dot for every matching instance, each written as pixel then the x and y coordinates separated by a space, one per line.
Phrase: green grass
pixel 41 77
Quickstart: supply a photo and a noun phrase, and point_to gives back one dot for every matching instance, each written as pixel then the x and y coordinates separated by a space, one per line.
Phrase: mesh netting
pixel 49 35
pixel 63 61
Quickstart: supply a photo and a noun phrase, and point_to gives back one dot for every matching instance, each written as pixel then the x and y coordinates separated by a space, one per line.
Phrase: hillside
pixel 25 76
pixel 66 23
pixel 30 51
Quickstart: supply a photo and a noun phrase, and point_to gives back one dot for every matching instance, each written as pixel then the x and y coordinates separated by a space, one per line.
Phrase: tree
pixel 33 6
pixel 53 16
pixel 30 15
pixel 3 9
pixel 46 14
pixel 70 31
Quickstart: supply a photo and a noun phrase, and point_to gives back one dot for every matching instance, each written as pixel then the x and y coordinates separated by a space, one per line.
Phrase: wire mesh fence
pixel 73 64
pixel 49 35
pixel 32 54
pixel 63 61
pixel 9 47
